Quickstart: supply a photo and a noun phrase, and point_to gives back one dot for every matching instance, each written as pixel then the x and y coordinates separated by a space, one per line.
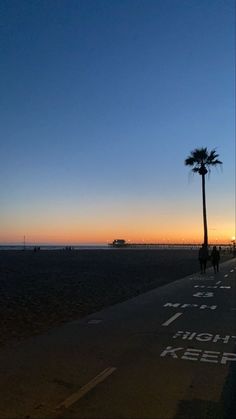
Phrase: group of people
pixel 203 256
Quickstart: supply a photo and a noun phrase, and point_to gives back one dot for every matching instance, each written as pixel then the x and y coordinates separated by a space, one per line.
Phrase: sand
pixel 41 290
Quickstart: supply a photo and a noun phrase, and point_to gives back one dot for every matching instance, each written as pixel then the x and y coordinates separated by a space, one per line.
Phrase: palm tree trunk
pixel 204 211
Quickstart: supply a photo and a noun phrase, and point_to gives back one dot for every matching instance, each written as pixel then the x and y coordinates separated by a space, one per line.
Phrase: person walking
pixel 203 257
pixel 215 258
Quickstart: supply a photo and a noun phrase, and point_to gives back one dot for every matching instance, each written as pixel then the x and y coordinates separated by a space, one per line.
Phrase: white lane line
pixel 86 388
pixel 171 319
pixel 219 282
pixel 232 270
pixel 226 275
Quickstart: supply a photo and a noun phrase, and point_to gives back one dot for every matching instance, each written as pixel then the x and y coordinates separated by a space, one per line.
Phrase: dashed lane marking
pixel 86 388
pixel 171 319
pixel 226 275
pixel 232 270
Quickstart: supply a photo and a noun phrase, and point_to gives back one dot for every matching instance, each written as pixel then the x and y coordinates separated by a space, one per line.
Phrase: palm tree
pixel 201 159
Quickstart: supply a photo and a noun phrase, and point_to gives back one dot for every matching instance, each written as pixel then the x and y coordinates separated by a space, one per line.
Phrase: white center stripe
pixel 86 388
pixel 172 319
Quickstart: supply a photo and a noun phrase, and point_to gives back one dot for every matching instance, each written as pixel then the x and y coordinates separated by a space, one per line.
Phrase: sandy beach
pixel 45 289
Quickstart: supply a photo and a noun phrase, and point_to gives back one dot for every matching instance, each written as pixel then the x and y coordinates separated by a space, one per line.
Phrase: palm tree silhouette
pixel 201 159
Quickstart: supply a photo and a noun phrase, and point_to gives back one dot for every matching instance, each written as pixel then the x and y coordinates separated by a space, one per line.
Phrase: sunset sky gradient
pixel 101 102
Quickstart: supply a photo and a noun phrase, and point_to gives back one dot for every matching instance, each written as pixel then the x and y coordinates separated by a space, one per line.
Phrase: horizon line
pixel 199 243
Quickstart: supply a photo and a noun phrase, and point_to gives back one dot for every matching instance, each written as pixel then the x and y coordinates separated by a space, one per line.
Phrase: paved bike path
pixel 168 353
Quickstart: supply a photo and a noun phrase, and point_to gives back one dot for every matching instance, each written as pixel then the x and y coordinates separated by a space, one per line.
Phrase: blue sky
pixel 101 102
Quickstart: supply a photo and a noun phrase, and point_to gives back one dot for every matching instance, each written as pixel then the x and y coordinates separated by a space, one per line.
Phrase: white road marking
pixel 232 270
pixel 180 305
pixel 226 275
pixel 86 388
pixel 171 319
pixel 204 294
pixel 219 282
pixel 192 354
pixel 203 337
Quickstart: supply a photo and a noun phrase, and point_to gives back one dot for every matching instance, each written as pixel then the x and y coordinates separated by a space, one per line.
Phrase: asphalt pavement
pixel 167 354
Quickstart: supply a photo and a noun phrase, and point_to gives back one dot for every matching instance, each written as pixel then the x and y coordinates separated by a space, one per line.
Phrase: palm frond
pixel 201 157
pixel 189 161
pixel 216 162
pixel 213 156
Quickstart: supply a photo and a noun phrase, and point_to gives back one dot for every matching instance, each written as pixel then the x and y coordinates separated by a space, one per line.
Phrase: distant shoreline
pixel 142 246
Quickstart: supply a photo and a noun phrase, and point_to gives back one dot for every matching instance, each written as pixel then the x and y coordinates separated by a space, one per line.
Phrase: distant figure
pixel 203 257
pixel 215 258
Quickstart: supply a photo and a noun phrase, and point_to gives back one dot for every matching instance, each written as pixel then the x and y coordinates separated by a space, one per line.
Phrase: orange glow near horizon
pixel 102 235
pixel 134 225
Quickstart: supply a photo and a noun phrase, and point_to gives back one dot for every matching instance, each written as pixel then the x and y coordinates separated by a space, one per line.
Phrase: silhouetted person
pixel 215 258
pixel 203 257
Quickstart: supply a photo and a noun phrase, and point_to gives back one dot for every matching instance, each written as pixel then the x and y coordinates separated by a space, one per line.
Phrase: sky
pixel 101 102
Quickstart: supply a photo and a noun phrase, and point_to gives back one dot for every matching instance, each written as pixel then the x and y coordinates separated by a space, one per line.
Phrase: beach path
pixel 168 353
